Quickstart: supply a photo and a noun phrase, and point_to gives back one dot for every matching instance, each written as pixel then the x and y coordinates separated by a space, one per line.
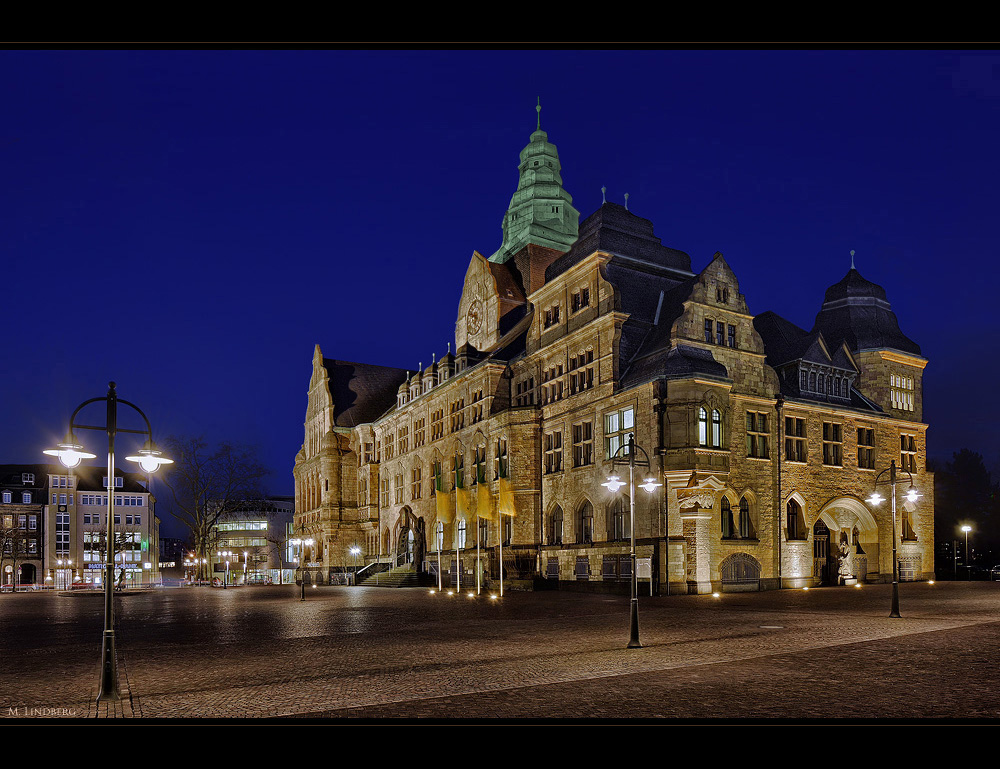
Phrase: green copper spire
pixel 541 211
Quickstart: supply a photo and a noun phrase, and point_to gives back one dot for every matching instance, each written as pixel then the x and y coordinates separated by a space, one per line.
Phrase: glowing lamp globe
pixel 150 459
pixel 70 453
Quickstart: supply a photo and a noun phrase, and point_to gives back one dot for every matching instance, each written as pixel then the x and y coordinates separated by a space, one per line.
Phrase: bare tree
pixel 11 545
pixel 208 484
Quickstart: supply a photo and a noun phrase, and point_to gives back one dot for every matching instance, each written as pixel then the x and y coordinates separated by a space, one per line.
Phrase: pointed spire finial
pixel 852 258
pixel 538 109
pixel 603 198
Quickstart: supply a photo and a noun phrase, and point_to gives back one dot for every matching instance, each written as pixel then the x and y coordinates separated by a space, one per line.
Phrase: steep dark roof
pixel 361 392
pixel 856 311
pixel 617 230
pixel 783 340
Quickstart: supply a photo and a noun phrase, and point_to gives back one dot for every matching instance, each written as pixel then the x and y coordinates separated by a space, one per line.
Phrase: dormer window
pixel 722 294
pixel 27 478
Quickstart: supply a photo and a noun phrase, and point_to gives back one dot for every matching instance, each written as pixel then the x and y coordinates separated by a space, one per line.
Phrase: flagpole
pixel 500 519
pixel 458 544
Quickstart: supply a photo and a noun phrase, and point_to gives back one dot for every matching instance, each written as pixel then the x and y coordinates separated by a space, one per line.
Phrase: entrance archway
pixel 740 572
pixel 851 523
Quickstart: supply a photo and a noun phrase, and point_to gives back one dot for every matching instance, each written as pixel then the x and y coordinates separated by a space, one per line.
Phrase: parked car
pixel 995 573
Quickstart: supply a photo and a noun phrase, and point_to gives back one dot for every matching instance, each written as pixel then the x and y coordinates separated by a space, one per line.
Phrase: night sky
pixel 190 224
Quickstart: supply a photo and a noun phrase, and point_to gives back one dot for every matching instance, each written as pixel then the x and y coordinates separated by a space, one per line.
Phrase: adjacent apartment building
pixel 766 438
pixel 55 520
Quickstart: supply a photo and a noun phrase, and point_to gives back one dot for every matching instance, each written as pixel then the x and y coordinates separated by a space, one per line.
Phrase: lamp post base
pixel 109 670
pixel 633 642
pixel 894 612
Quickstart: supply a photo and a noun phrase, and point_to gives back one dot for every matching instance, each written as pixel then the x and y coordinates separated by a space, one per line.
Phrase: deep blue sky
pixel 191 224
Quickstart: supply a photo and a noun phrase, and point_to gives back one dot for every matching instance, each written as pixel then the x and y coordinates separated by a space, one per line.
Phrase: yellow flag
pixel 445 511
pixel 506 502
pixel 484 501
pixel 464 500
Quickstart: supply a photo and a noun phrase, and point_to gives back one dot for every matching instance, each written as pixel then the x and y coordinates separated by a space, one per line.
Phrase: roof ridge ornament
pixel 852 258
pixel 603 197
pixel 538 109
pixel 626 201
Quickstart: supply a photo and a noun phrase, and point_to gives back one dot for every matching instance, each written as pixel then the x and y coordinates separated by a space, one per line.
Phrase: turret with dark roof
pixel 857 312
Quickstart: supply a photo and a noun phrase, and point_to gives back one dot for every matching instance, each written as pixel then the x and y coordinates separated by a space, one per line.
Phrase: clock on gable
pixel 474 317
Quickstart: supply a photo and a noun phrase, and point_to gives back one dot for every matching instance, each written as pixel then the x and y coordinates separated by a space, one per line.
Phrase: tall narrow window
pixel 832 444
pixel 617 426
pixel 866 448
pixel 727 519
pixel 619 518
pixel 702 426
pixel 747 530
pixel 795 521
pixel 757 435
pixel 583 444
pixel 553 452
pixel 556 527
pixel 908 452
pixel 586 519
pixel 501 458
pixel 716 429
pixel 795 439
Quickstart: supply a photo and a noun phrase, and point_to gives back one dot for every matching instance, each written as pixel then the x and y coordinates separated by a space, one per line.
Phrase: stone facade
pixel 766 439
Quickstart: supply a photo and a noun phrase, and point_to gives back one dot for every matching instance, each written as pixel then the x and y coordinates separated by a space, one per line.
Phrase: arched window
pixel 727 519
pixel 462 531
pixel 795 522
pixel 619 519
pixel 747 530
pixel 702 426
pixel 586 518
pixel 556 527
pixel 439 535
pixel 716 429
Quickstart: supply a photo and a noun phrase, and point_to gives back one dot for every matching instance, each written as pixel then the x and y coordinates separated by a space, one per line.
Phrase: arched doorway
pixel 854 539
pixel 740 572
pixel 822 568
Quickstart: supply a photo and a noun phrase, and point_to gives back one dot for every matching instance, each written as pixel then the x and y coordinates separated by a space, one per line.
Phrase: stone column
pixel 695 524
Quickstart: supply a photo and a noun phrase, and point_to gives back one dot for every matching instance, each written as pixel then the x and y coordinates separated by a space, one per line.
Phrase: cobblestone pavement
pixel 377 653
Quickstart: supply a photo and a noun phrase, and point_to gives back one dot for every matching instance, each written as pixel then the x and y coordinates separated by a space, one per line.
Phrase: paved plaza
pixel 377 653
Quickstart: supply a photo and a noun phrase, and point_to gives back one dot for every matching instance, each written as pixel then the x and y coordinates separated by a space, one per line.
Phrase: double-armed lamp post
pixel 302 544
pixel 627 455
pixel 70 454
pixel 876 499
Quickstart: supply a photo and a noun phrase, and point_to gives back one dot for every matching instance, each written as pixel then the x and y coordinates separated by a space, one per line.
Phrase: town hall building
pixel 766 439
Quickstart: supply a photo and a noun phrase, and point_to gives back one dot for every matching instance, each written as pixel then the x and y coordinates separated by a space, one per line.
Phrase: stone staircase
pixel 401 576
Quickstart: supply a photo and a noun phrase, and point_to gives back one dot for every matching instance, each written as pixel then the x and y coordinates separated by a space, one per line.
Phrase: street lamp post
pixel 968 562
pixel 876 499
pixel 626 455
pixel 302 544
pixel 225 575
pixel 355 551
pixel 70 454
